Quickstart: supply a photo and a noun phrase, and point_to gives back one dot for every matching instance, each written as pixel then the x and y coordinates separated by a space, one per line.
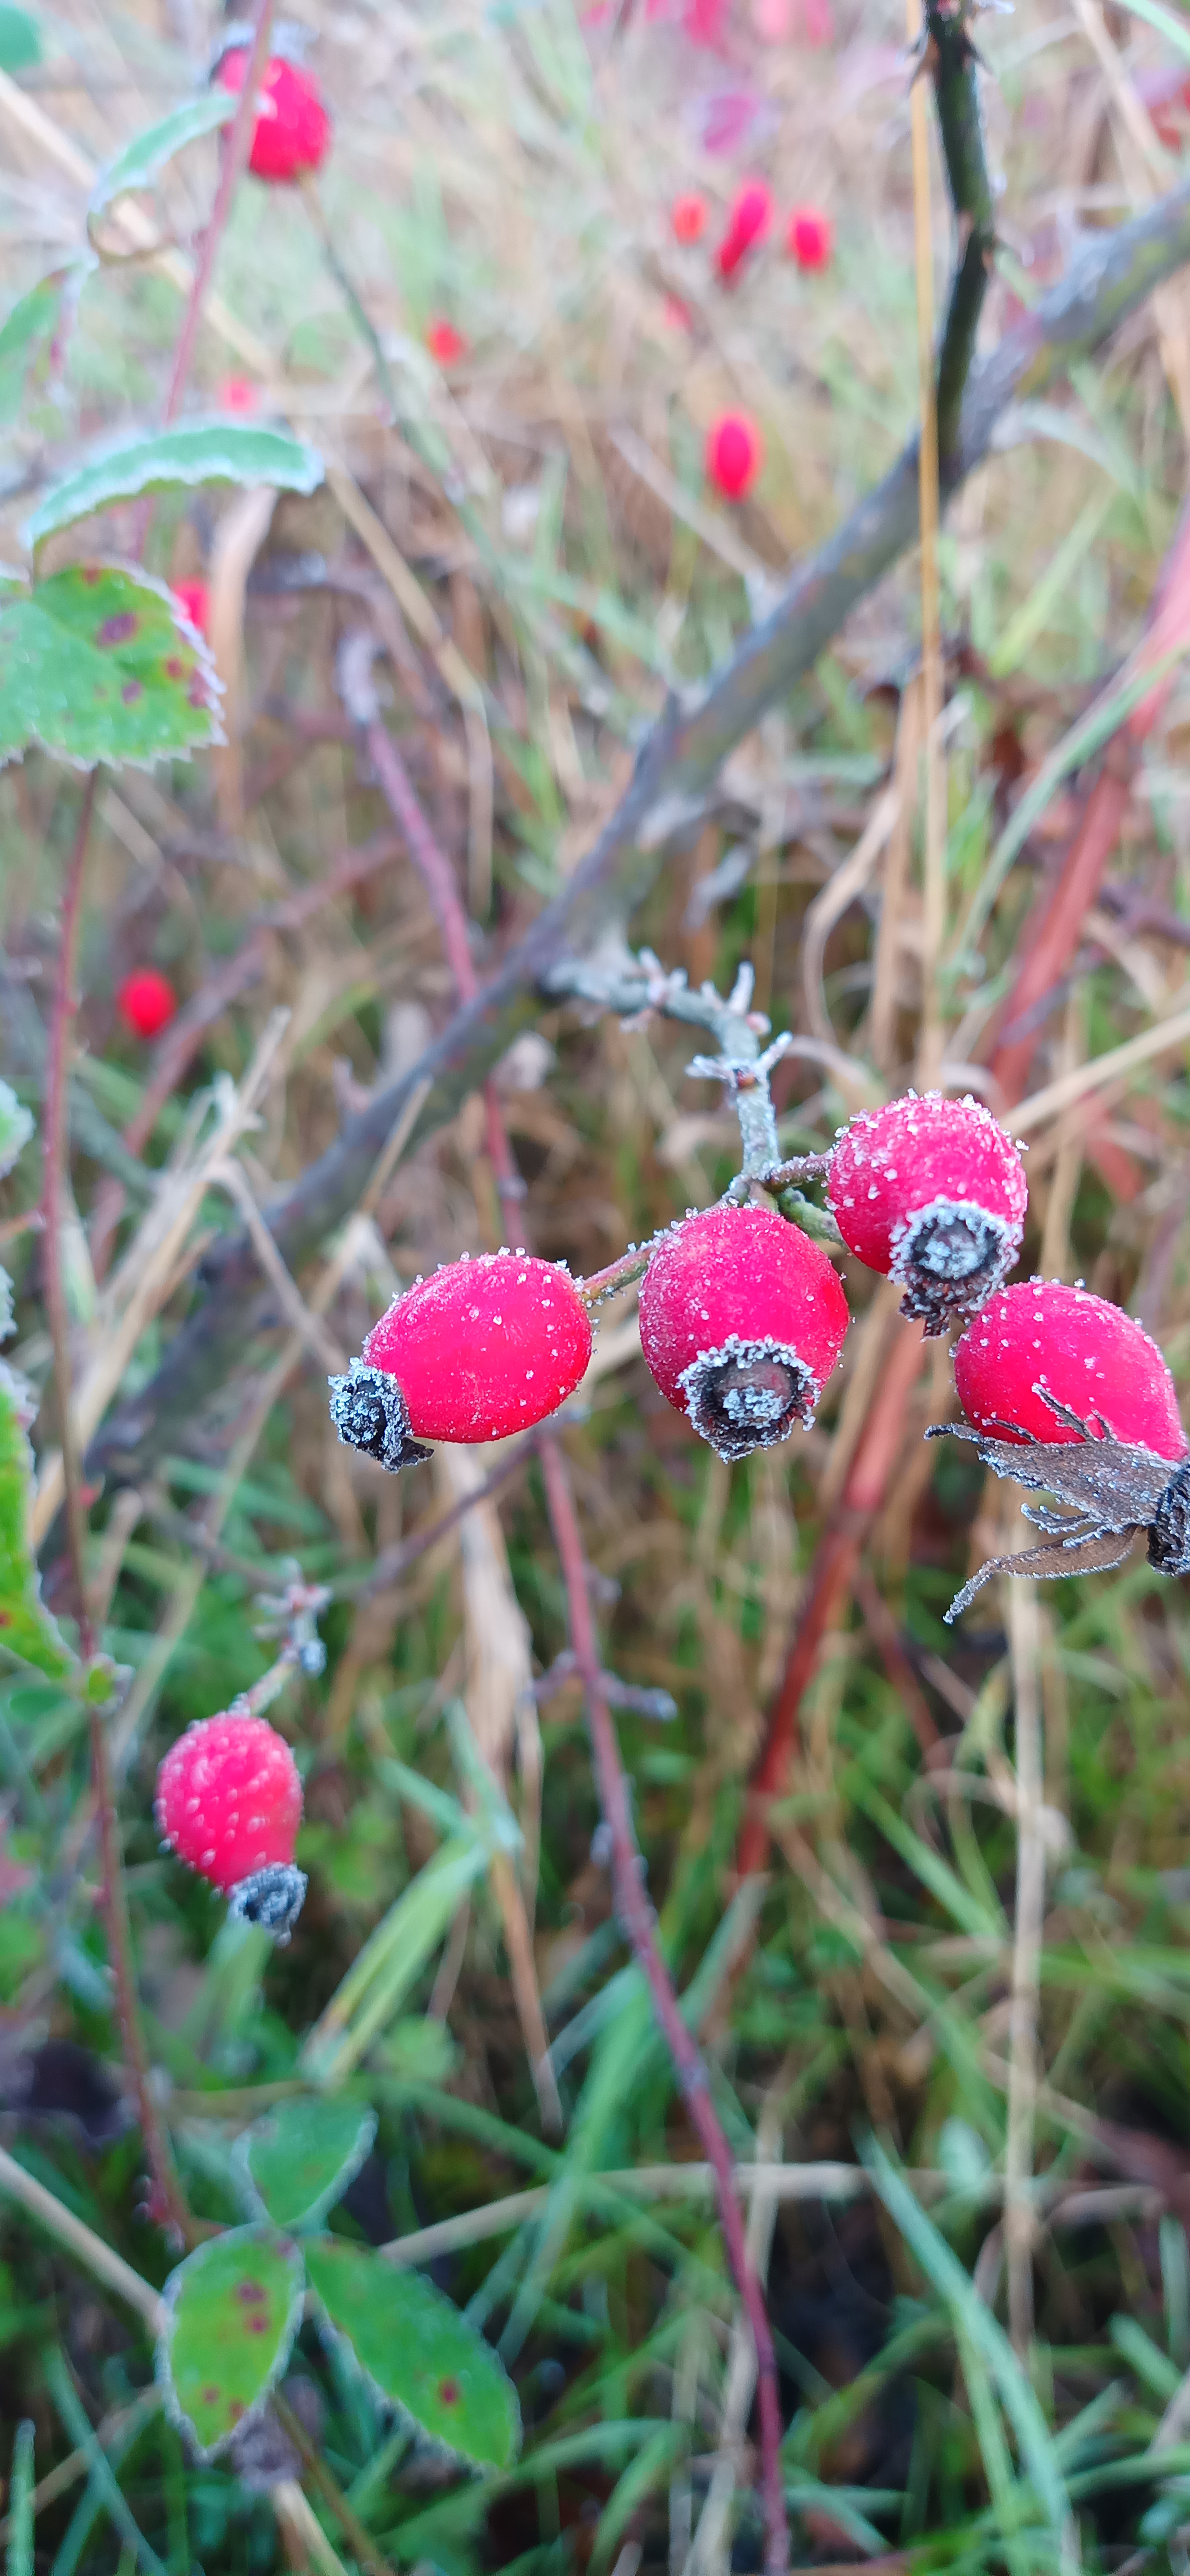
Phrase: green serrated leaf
pixel 234 2308
pixel 20 44
pixel 206 451
pixel 94 665
pixel 297 2162
pixel 16 1127
pixel 418 2352
pixel 138 164
pixel 25 1626
pixel 30 322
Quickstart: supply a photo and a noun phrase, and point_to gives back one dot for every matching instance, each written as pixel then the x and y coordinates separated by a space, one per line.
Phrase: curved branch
pixel 663 806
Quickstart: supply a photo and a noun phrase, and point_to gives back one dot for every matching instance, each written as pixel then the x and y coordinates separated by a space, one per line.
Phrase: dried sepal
pixel 369 1412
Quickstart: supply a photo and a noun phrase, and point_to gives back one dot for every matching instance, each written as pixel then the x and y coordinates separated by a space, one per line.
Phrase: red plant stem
pixel 438 878
pixel 171 2205
pixel 237 144
pixel 828 1588
pixel 1051 937
pixel 54 1157
pixel 635 1910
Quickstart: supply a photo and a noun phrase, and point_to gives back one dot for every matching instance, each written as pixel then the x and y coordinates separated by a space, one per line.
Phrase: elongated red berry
pixel 931 1192
pixel 810 237
pixel 293 130
pixel 742 1319
pixel 482 1348
pixel 734 454
pixel 688 216
pixel 748 219
pixel 1089 1354
pixel 237 393
pixel 146 1002
pixel 229 1803
pixel 194 600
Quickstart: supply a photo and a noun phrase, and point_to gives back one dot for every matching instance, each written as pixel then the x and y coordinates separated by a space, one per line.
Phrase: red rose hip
pixel 932 1193
pixel 229 1803
pixel 1090 1355
pixel 482 1348
pixel 146 1002
pixel 734 454
pixel 194 600
pixel 748 220
pixel 292 131
pixel 688 217
pixel 809 237
pixel 445 344
pixel 742 1319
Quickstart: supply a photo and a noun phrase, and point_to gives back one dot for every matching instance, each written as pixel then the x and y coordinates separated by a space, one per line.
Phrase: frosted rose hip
pixel 292 131
pixel 1090 1355
pixel 229 1803
pixel 482 1348
pixel 931 1192
pixel 742 1319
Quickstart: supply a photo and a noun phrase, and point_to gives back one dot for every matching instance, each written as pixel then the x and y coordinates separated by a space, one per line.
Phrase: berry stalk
pixel 635 1909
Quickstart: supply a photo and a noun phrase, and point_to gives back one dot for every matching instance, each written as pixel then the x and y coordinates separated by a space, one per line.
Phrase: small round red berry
pixel 734 454
pixel 748 219
pixel 482 1348
pixel 742 1319
pixel 931 1192
pixel 146 1002
pixel 688 216
pixel 445 344
pixel 810 237
pixel 293 130
pixel 1042 1337
pixel 229 1803
pixel 237 393
pixel 194 600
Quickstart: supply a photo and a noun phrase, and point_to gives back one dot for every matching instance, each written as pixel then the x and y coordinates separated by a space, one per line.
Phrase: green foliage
pixel 24 333
pixel 209 451
pixel 26 1627
pixel 234 2307
pixel 20 43
pixel 418 2352
pixel 94 665
pixel 138 164
pixel 20 2483
pixel 299 2160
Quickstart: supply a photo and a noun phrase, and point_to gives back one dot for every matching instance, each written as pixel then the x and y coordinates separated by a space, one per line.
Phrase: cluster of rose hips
pixel 809 234
pixel 742 1320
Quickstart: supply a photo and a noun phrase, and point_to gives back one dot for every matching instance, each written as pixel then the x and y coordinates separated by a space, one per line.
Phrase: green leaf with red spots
pixel 419 2353
pixel 234 2307
pixel 204 451
pixel 297 2162
pixel 26 1627
pixel 98 663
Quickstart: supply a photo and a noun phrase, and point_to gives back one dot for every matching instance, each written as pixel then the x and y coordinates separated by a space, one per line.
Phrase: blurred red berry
pixel 292 131
pixel 237 393
pixel 734 454
pixel 229 1803
pixel 748 220
pixel 810 237
pixel 194 599
pixel 445 344
pixel 146 1002
pixel 688 217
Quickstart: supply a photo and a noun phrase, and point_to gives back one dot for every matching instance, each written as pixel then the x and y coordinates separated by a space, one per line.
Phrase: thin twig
pixel 237 141
pixel 636 1913
pixel 370 2557
pixel 934 837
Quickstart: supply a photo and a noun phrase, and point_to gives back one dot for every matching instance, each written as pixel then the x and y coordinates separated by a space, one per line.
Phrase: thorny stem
pixel 236 146
pixel 636 986
pixel 635 1910
pixel 953 65
pixel 171 2205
